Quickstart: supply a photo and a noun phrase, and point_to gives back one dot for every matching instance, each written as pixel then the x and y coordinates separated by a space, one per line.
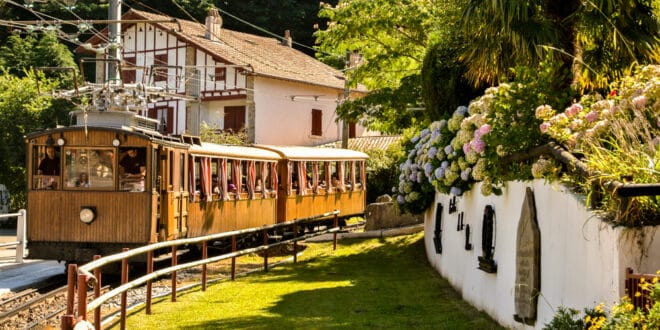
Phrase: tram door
pixel 173 222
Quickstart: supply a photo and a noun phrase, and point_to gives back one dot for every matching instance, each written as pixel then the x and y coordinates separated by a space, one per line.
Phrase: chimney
pixel 287 40
pixel 213 25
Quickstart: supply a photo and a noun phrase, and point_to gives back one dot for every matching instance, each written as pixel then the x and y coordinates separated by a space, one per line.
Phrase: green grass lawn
pixel 364 284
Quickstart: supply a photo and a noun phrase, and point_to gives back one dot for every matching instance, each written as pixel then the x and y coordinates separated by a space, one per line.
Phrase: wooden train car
pixel 98 189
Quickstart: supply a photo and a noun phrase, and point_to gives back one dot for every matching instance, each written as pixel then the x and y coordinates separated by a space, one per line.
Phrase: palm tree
pixel 597 40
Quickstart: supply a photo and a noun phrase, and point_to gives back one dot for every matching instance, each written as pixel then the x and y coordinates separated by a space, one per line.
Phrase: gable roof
pixel 366 143
pixel 267 57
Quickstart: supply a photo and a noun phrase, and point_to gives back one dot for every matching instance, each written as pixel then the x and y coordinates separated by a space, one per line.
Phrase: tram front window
pixel 89 168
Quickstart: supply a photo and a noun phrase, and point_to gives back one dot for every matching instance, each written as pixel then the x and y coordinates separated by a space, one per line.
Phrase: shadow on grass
pixel 386 286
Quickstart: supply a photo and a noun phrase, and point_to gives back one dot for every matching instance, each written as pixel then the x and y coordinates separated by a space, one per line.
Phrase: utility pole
pixel 114 34
pixel 344 123
pixel 352 60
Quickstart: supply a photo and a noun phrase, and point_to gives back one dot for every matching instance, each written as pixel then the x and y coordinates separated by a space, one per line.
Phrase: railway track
pixel 35 307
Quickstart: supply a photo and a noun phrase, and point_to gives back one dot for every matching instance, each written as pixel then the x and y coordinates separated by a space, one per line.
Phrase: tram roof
pixel 314 153
pixel 233 151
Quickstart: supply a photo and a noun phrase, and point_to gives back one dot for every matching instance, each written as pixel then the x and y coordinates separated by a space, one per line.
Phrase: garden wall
pixel 582 259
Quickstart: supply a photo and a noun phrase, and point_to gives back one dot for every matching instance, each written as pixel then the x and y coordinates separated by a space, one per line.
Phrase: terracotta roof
pixel 266 56
pixel 365 143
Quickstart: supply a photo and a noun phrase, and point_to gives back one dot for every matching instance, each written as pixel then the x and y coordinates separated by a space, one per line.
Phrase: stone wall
pixel 385 214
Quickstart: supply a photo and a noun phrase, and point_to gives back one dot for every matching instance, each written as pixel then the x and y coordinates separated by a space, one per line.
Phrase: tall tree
pixel 597 39
pixel 393 38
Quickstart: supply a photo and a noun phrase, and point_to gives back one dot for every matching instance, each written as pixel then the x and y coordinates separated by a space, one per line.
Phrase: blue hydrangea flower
pixel 439 172
pixel 428 168
pixel 449 149
pixel 462 110
pixel 432 152
pixel 400 199
pixel 455 191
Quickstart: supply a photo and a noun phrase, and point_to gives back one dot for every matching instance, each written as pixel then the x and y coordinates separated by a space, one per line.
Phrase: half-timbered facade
pixel 230 80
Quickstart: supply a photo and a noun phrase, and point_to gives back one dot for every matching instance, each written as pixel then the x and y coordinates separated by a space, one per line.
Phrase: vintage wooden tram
pixel 113 183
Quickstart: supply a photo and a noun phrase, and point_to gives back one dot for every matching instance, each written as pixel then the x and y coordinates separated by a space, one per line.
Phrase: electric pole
pixel 114 34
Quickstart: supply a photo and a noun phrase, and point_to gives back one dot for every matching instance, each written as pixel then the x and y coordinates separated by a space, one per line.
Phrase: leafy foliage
pixel 598 39
pixel 618 136
pixel 444 86
pixel 392 37
pixel 22 110
pixel 623 315
pixel 381 171
pixel 213 134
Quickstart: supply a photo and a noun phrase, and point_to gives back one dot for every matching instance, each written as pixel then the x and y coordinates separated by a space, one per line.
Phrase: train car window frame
pixel 89 168
pixel 46 181
pixel 131 181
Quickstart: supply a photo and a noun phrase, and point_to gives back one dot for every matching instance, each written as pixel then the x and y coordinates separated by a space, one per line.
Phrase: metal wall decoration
pixel 452 205
pixel 438 229
pixel 468 245
pixel 459 223
pixel 486 262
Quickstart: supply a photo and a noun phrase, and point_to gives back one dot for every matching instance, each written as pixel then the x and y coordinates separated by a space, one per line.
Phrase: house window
pixel 234 118
pixel 317 122
pixel 220 73
pixel 165 116
pixel 128 71
pixel 160 67
pixel 351 130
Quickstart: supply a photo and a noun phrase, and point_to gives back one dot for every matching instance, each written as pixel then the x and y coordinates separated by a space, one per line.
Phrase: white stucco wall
pixel 282 121
pixel 582 259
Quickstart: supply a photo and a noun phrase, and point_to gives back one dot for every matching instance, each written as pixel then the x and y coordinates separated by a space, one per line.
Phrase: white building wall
pixel 583 260
pixel 283 121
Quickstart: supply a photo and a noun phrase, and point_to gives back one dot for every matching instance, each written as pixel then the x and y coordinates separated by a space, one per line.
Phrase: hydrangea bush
pixel 452 154
pixel 445 157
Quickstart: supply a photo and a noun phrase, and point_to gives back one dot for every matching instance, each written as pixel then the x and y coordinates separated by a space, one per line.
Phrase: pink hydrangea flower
pixel 573 110
pixel 591 116
pixel 478 145
pixel 544 127
pixel 484 129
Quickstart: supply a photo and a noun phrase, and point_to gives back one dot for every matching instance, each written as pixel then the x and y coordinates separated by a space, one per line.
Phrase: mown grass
pixel 364 284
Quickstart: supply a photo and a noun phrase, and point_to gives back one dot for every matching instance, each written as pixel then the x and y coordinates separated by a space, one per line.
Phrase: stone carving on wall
pixel 528 262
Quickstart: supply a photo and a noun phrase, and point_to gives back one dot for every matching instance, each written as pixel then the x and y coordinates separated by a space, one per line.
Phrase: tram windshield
pixel 89 168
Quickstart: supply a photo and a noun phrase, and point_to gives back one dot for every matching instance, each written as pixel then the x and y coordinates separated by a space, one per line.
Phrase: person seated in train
pixel 294 185
pixel 83 180
pixel 49 165
pixel 257 186
pixel 132 169
pixel 335 182
pixel 215 188
pixel 132 165
pixel 231 187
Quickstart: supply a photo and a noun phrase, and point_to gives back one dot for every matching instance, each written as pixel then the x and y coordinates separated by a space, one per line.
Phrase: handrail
pixel 82 276
pixel 86 268
pixel 21 239
pixel 151 276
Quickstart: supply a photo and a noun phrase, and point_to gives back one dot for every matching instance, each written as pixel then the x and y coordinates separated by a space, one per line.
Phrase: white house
pixel 231 80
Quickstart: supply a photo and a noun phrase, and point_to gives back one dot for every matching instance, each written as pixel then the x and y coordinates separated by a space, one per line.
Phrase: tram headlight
pixel 87 214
